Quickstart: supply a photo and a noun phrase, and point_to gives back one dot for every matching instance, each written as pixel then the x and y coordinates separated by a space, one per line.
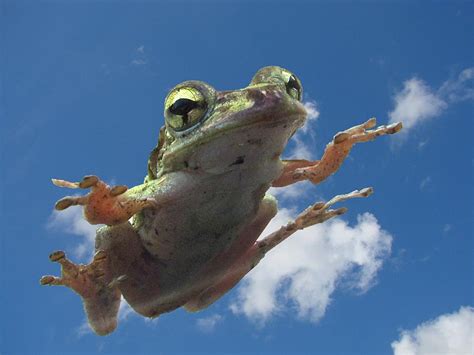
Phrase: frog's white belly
pixel 188 232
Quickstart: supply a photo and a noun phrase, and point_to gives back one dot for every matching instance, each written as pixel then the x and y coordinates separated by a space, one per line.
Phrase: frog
pixel 193 229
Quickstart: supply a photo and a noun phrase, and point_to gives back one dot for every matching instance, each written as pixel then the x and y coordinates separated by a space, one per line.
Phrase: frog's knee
pixel 102 311
pixel 269 205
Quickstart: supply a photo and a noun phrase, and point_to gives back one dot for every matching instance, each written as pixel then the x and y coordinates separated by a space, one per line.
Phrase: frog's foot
pixel 334 155
pixel 104 204
pixel 101 299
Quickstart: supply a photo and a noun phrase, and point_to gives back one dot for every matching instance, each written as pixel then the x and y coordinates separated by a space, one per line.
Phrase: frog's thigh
pixel 225 263
pixel 135 271
pixel 122 245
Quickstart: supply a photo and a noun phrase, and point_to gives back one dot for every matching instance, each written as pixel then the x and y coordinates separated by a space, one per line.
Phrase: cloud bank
pixel 449 334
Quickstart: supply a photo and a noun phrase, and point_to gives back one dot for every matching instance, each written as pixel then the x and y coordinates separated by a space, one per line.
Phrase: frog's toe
pixel 394 128
pixel 88 181
pixel 69 201
pixel 50 280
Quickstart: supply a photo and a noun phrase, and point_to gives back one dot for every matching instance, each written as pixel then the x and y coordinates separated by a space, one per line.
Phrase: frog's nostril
pixel 257 95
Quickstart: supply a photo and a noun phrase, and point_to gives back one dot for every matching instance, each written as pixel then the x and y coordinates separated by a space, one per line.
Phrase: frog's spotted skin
pixel 203 205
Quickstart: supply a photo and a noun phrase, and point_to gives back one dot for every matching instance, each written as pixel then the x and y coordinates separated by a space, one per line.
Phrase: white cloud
pixel 208 324
pixel 417 102
pixel 449 334
pixel 71 221
pixel 305 270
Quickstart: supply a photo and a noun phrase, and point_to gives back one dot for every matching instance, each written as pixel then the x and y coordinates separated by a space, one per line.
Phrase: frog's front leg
pixel 104 204
pixel 93 283
pixel 334 155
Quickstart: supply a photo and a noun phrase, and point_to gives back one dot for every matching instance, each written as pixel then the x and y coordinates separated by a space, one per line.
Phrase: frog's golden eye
pixel 184 108
pixel 293 88
pixel 293 85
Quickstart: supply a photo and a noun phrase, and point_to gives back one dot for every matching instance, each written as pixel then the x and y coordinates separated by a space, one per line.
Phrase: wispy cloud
pixel 460 88
pixel 425 182
pixel 302 142
pixel 447 228
pixel 208 324
pixel 304 272
pixel 71 221
pixel 418 103
pixel 313 113
pixel 451 333
pixel 139 57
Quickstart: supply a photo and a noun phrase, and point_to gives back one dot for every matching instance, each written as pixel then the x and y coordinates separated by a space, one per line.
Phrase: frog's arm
pixel 106 204
pixel 335 153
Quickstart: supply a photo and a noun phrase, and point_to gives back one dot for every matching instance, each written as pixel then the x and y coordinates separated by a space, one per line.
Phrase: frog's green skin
pixel 197 216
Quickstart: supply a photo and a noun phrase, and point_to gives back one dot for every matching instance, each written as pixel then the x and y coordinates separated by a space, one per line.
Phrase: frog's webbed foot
pixel 104 204
pixel 335 153
pixel 101 297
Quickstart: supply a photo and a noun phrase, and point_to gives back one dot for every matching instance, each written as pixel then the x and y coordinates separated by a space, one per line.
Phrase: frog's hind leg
pixel 101 300
pixel 334 155
pixel 249 258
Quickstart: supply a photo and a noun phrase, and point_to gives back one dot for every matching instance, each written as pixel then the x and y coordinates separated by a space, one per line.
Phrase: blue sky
pixel 82 91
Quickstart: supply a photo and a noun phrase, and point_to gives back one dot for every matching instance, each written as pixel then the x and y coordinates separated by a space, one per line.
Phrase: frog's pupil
pixel 183 106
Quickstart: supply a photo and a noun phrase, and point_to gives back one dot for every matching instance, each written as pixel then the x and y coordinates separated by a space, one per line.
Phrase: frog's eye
pixel 184 108
pixel 280 76
pixel 293 87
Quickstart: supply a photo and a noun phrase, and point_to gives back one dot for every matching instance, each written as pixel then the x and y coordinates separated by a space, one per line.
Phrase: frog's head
pixel 215 131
